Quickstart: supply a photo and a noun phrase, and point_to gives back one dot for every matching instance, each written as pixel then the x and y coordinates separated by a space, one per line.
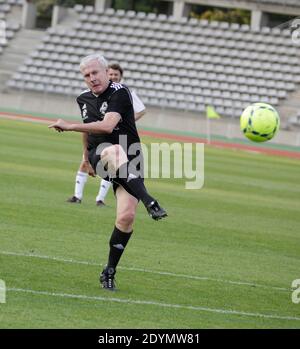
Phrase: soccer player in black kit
pixel 108 120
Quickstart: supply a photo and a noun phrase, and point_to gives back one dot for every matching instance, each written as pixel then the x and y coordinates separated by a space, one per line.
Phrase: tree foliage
pixel 231 16
pixel 44 7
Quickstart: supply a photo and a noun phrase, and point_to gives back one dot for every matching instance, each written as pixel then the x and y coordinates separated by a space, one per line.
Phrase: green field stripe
pixel 156 304
pixel 145 270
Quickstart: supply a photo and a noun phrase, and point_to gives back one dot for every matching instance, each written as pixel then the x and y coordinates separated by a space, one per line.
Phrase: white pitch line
pixel 194 277
pixel 158 304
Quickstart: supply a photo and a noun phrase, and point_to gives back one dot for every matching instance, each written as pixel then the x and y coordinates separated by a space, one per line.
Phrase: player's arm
pixel 85 155
pixel 138 106
pixel 138 115
pixel 107 125
pixel 85 163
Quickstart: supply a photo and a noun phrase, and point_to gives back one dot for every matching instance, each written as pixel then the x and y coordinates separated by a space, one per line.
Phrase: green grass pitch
pixel 224 258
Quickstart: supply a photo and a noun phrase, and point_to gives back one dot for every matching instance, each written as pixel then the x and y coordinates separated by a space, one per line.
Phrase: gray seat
pixel 189 59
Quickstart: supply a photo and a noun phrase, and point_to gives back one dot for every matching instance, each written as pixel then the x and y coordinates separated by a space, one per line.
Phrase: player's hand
pixel 91 171
pixel 87 167
pixel 61 125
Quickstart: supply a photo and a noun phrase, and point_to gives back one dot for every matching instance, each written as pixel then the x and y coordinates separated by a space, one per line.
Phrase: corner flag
pixel 211 113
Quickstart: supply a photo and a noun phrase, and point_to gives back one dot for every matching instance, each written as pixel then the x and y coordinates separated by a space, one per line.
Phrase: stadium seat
pixel 184 60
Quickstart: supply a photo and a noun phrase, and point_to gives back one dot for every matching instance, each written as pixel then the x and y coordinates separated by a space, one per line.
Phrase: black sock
pixel 133 183
pixel 117 243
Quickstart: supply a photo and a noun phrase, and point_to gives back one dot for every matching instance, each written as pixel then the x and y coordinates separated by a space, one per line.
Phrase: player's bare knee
pixel 108 159
pixel 121 157
pixel 114 156
pixel 106 152
pixel 109 154
pixel 126 218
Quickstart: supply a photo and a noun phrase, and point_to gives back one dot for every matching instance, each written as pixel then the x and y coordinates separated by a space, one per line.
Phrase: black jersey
pixel 116 98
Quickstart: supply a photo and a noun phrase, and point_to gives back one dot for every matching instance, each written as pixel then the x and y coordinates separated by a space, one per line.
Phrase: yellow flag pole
pixel 210 114
pixel 208 130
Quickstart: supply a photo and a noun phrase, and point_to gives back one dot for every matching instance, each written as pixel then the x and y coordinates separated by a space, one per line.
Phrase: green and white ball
pixel 260 122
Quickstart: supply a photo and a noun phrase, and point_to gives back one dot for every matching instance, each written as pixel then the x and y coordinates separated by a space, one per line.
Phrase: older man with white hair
pixel 115 74
pixel 109 130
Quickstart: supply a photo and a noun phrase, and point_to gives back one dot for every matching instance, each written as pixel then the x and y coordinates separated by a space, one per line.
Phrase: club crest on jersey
pixel 84 112
pixel 103 108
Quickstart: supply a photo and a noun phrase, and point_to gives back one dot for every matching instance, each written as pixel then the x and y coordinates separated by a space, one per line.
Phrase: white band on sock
pixel 103 190
pixel 81 179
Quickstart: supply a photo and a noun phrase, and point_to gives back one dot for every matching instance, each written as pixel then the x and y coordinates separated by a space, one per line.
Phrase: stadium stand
pixel 176 63
pixel 295 120
pixel 8 27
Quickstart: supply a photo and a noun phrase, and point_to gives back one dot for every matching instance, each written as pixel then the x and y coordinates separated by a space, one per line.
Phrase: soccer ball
pixel 260 122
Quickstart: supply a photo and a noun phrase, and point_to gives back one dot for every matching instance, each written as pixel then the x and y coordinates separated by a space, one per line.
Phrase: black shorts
pixel 94 159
